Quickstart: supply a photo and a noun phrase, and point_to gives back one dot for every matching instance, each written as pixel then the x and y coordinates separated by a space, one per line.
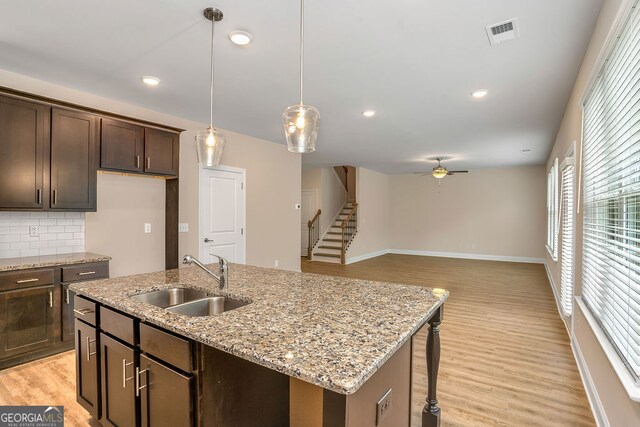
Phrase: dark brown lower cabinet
pixel 27 321
pixel 67 313
pixel 87 368
pixel 165 396
pixel 119 402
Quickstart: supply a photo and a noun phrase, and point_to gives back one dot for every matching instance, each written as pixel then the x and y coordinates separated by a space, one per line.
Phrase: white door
pixel 222 214
pixel 309 209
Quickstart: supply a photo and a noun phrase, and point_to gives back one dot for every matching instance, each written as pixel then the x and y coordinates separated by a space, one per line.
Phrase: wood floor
pixel 506 359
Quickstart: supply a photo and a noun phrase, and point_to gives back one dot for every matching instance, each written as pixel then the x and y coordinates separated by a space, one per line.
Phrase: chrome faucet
pixel 222 278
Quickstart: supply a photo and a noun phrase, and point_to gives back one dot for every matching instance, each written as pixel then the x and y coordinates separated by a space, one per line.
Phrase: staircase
pixel 336 241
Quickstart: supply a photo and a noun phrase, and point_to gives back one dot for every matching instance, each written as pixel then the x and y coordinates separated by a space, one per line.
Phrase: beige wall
pixel 372 190
pixel 331 193
pixel 492 212
pixel 618 408
pixel 273 189
pixel 125 204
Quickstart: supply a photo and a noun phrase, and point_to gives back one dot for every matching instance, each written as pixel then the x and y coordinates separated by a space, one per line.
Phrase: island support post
pixel 431 411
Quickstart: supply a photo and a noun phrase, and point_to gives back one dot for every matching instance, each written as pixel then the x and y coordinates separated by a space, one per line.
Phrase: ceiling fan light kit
pixel 210 142
pixel 301 122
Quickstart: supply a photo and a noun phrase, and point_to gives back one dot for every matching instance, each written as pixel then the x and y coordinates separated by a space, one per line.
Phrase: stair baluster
pixel 314 233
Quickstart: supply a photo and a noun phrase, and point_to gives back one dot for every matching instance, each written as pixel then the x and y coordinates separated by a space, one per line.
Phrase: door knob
pixel 206 240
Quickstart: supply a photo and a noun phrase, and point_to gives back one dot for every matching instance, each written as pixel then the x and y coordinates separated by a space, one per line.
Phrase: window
pixel 611 240
pixel 552 210
pixel 566 210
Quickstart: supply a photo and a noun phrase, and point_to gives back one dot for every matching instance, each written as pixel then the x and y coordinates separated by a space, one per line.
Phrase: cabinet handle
pixel 66 295
pixel 148 162
pixel 86 273
pixel 89 353
pixel 50 298
pixel 26 281
pixel 82 311
pixel 137 161
pixel 55 197
pixel 39 196
pixel 138 386
pixel 124 373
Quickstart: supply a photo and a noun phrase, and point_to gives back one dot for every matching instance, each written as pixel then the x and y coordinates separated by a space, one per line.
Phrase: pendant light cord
pixel 213 27
pixel 301 46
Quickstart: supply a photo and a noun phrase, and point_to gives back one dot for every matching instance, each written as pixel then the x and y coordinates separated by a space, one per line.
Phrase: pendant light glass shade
pixel 209 142
pixel 210 146
pixel 301 124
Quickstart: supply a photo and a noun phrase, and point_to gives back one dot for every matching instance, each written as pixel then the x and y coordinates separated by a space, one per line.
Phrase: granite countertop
pixel 329 331
pixel 14 264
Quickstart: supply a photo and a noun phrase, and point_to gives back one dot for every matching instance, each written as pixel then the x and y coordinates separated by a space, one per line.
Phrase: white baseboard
pixel 592 395
pixel 366 256
pixel 467 256
pixel 556 297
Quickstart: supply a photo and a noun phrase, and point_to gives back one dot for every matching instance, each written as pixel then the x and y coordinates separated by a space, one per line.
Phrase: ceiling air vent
pixel 503 31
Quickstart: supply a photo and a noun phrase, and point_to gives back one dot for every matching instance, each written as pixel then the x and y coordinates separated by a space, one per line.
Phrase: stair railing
pixel 349 228
pixel 314 232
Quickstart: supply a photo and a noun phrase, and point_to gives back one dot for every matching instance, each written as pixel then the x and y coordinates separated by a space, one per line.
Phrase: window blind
pixel 566 276
pixel 611 162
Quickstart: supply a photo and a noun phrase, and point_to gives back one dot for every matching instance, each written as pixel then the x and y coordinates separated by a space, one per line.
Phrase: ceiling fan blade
pixel 422 173
pixel 452 172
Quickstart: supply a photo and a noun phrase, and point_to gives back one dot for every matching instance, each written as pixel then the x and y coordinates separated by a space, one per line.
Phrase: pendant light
pixel 301 122
pixel 210 142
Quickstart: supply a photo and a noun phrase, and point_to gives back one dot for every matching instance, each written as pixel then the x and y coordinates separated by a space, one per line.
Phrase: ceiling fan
pixel 440 171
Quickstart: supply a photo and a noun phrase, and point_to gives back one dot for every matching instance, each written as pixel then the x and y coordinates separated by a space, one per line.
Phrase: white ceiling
pixel 414 61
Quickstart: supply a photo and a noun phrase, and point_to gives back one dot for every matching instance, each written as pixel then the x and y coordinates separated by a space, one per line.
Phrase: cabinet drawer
pixel 118 325
pixel 84 310
pixel 26 278
pixel 174 350
pixel 74 273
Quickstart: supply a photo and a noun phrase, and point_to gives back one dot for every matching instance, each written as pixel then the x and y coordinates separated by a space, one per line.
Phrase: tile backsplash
pixel 58 233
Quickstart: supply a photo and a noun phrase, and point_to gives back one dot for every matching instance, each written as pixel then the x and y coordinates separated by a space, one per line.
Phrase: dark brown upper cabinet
pixel 73 160
pixel 161 152
pixel 121 146
pixel 24 153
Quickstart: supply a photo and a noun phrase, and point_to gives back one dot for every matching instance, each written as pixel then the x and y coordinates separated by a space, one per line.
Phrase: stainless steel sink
pixel 169 297
pixel 207 306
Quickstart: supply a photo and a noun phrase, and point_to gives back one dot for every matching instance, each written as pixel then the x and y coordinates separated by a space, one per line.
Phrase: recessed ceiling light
pixel 480 93
pixel 369 113
pixel 241 38
pixel 150 80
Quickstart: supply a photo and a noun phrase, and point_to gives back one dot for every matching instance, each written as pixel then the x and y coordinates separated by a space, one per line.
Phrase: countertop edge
pixel 53 263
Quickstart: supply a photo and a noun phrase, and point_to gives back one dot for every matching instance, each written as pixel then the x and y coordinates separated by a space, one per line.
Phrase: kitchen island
pixel 306 350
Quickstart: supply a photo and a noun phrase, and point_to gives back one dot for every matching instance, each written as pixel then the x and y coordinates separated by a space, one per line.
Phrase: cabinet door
pixel 118 385
pixel 67 313
pixel 166 397
pixel 73 165
pixel 27 320
pixel 87 374
pixel 24 142
pixel 161 152
pixel 121 146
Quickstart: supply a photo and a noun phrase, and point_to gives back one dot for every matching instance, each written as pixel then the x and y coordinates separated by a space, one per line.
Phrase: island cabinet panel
pixel 27 321
pixel 166 396
pixel 118 325
pixel 121 146
pixel 161 150
pixel 119 402
pixel 167 347
pixel 24 150
pixel 73 160
pixel 87 368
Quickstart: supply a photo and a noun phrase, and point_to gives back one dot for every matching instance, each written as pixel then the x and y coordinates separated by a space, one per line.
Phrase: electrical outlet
pixel 147 227
pixel 183 227
pixel 33 231
pixel 277 263
pixel 383 407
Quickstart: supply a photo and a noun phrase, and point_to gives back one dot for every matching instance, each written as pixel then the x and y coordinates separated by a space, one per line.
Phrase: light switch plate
pixel 183 227
pixel 33 231
pixel 147 227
